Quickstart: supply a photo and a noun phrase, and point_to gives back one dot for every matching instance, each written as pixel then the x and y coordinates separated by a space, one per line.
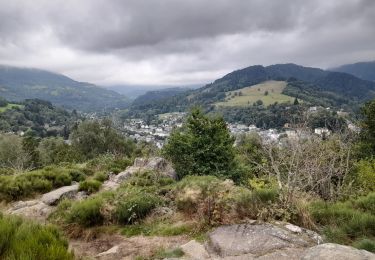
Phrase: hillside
pixel 313 85
pixel 268 92
pixel 154 95
pixel 363 70
pixel 37 116
pixel 17 84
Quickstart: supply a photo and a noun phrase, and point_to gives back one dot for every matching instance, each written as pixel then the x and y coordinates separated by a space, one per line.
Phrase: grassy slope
pixel 256 92
pixel 9 106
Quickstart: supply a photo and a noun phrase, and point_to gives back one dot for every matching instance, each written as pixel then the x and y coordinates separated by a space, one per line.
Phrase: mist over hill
pixel 17 84
pixel 363 70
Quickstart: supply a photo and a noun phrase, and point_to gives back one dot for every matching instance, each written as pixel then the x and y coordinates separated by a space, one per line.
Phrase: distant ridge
pixel 17 84
pixel 363 70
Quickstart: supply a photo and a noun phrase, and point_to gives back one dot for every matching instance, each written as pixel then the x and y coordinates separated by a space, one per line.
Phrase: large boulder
pixel 336 252
pixel 255 240
pixel 33 209
pixel 53 197
pixel 155 164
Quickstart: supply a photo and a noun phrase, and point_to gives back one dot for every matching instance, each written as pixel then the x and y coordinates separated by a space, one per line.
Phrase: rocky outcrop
pixel 256 240
pixel 53 197
pixel 155 164
pixel 33 209
pixel 334 251
pixel 40 209
pixel 194 250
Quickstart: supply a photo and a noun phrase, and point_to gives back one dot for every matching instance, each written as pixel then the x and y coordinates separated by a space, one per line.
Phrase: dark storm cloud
pixel 180 41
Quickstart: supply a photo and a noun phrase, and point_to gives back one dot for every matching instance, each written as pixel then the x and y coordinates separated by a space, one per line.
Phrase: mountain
pixel 363 70
pixel 17 84
pixel 313 85
pixel 157 95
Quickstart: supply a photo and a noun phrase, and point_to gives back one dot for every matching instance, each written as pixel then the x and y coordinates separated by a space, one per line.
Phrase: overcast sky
pixel 181 42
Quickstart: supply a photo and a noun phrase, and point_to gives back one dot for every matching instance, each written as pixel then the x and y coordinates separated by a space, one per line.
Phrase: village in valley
pixel 159 130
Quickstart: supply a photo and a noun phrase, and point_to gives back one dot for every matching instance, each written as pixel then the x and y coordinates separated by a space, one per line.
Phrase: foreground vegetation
pixel 20 239
pixel 327 185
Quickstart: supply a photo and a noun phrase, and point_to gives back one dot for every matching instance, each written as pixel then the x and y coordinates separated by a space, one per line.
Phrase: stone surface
pixel 33 209
pixel 156 164
pixel 194 250
pixel 257 240
pixel 110 252
pixel 53 197
pixel 336 252
pixel 293 228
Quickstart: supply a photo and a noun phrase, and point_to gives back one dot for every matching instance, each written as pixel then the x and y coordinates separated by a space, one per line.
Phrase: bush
pixel 203 146
pixel 366 204
pixel 345 222
pixel 90 186
pixel 25 184
pixel 101 176
pixel 215 201
pixel 366 244
pixel 135 205
pixel 87 212
pixel 77 175
pixel 21 239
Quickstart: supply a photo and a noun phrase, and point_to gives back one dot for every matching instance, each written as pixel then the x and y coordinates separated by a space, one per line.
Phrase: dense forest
pixel 37 118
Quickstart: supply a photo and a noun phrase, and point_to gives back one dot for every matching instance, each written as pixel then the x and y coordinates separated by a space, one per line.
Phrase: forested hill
pixel 313 85
pixel 17 84
pixel 336 82
pixel 39 117
pixel 151 96
pixel 363 70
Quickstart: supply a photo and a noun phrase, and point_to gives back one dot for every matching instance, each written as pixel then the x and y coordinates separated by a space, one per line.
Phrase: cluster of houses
pixel 157 133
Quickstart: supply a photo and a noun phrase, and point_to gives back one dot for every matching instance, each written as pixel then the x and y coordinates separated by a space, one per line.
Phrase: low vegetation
pixel 321 184
pixel 20 239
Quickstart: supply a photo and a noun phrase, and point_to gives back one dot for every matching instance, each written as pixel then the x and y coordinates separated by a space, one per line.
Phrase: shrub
pixel 366 204
pixel 203 146
pixel 87 212
pixel 135 205
pixel 345 222
pixel 366 244
pixel 90 186
pixel 77 175
pixel 21 239
pixel 101 176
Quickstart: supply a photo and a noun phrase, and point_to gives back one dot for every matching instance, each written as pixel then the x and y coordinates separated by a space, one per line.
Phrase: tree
pixel 266 93
pixel 92 138
pixel 30 145
pixel 295 102
pixel 368 129
pixel 203 146
pixel 12 155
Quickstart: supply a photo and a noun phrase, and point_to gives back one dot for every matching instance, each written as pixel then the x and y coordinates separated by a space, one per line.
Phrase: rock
pixel 53 197
pixel 32 209
pixel 194 250
pixel 109 253
pixel 254 240
pixel 336 252
pixel 156 164
pixel 293 228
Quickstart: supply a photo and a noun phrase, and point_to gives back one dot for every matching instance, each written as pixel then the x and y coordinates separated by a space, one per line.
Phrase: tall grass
pixel 20 239
pixel 348 222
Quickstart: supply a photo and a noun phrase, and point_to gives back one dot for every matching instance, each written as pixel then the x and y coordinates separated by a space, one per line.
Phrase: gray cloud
pixel 181 42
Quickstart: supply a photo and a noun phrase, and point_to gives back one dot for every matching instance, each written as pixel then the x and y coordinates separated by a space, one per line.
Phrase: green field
pixel 249 95
pixel 9 106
